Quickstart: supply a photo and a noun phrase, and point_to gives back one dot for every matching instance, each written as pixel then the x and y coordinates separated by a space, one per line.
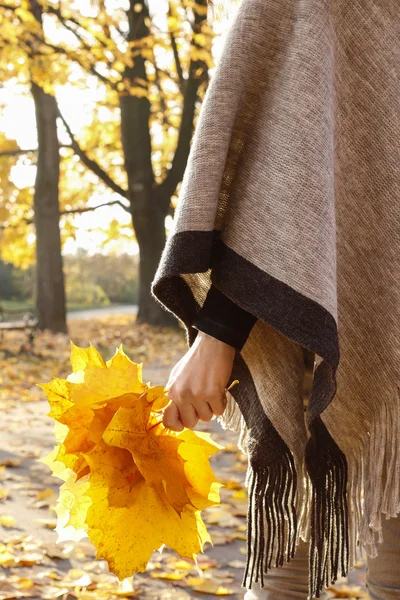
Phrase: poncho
pixel 290 205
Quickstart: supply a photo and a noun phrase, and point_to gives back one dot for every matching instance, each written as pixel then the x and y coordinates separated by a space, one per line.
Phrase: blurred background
pixel 98 104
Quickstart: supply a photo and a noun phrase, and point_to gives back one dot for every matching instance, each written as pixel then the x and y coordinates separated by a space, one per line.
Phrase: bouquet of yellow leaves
pixel 130 484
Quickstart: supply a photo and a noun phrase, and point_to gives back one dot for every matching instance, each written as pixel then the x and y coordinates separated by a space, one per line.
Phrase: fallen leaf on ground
pixel 208 586
pixel 8 462
pixel 47 494
pixel 351 593
pixel 48 523
pixel 237 564
pixel 7 521
pixel 4 494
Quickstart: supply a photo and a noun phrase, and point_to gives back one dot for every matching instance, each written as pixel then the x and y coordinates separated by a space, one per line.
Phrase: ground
pixel 33 564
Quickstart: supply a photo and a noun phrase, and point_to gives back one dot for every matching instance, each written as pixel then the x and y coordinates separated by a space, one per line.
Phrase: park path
pixel 106 311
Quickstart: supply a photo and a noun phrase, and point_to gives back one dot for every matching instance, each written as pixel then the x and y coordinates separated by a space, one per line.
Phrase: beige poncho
pixel 290 205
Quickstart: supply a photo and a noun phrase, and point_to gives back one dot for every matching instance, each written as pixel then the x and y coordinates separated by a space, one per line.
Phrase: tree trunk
pixel 50 290
pixel 149 203
pixel 148 212
pixel 149 225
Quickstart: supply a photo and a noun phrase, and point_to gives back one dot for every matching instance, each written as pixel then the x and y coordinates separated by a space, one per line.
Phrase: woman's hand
pixel 198 382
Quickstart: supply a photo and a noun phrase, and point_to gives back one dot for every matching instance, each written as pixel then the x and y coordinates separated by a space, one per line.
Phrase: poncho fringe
pixel 289 211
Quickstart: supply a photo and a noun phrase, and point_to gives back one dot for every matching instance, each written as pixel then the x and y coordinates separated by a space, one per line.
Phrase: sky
pixel 17 121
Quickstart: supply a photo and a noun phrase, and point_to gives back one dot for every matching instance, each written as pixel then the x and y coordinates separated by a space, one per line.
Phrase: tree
pixel 49 289
pixel 27 61
pixel 123 50
pixel 154 72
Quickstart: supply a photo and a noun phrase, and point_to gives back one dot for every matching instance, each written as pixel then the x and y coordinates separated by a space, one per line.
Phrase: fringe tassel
pixel 233 420
pixel 297 515
pixel 303 501
pixel 355 507
pixel 282 509
pixel 374 480
pixel 272 527
pixel 329 549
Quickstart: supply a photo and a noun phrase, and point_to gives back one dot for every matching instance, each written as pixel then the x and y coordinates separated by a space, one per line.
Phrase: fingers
pixel 171 418
pixel 204 411
pixel 180 414
pixel 218 405
pixel 189 404
pixel 188 414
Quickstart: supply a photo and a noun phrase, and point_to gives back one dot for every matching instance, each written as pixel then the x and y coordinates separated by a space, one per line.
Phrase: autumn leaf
pixel 130 484
pixel 7 521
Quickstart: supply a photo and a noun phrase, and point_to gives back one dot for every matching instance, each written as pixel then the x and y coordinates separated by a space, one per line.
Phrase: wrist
pixel 209 340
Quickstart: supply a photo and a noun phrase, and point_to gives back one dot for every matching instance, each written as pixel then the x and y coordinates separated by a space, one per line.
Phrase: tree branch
pixel 92 164
pixel 16 225
pixel 178 65
pixel 73 56
pixel 19 151
pixel 74 211
pixel 61 50
pixel 175 51
pixel 64 21
pixel 9 153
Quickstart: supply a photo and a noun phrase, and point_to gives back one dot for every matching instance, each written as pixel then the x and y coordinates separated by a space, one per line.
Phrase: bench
pixel 16 319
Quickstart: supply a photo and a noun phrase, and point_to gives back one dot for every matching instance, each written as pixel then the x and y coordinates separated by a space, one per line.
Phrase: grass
pixel 16 304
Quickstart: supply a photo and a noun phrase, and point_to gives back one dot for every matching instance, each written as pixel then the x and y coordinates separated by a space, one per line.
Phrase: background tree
pixel 152 71
pixel 49 288
pixel 155 73
pixel 30 64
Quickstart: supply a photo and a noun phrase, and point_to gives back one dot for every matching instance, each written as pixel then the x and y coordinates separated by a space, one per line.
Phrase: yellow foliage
pixel 130 483
pixel 173 24
pixel 201 54
pixel 7 145
pixel 200 9
pixel 15 247
pixel 59 57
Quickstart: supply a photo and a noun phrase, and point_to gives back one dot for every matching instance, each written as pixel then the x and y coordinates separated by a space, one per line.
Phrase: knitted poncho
pixel 290 205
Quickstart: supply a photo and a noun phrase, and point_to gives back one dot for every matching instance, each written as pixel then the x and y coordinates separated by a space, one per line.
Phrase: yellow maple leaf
pixel 130 484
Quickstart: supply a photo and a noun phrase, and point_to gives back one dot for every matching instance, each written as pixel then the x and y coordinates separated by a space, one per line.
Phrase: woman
pixel 290 209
